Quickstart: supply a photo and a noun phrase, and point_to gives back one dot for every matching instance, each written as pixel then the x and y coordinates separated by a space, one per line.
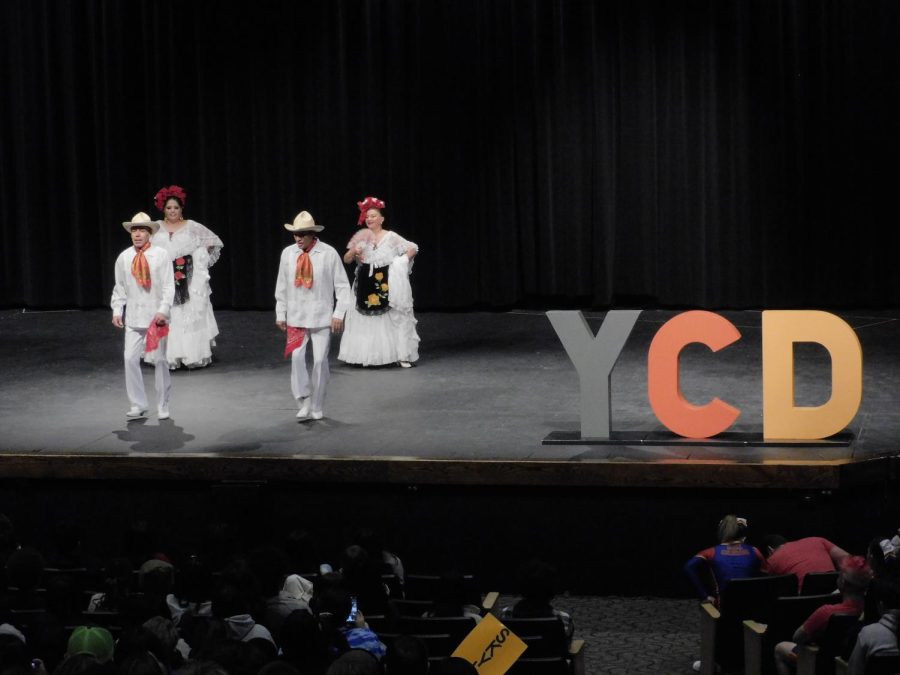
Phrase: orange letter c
pixel 663 382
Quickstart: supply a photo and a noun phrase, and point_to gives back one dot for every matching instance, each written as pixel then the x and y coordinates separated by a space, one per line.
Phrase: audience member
pixel 362 577
pixel 155 579
pixel 91 641
pixel 84 664
pixel 24 570
pixel 192 592
pixel 342 629
pixel 304 646
pixel 355 662
pixel 853 580
pixel 451 598
pixel 117 578
pixel 711 569
pixel 232 605
pixel 236 657
pixel 406 655
pixel 172 650
pixel 270 567
pixel 537 586
pixel 801 557
pixel 882 636
pixel 370 540
pixel 14 654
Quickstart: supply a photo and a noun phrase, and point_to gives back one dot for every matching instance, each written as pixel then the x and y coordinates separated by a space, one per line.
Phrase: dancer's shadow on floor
pixel 165 437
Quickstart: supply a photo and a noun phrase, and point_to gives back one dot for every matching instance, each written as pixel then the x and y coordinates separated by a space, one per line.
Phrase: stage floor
pixel 488 389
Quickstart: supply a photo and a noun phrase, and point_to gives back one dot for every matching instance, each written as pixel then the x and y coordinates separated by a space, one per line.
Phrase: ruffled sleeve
pixel 362 237
pixel 401 245
pixel 208 239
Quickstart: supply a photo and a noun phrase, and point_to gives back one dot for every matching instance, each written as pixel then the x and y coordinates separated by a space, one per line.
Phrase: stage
pixel 489 388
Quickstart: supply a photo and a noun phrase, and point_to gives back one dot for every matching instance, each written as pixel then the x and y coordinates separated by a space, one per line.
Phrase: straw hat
pixel 303 223
pixel 141 219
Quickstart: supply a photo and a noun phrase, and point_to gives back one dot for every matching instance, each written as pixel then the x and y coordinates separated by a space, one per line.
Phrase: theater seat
pixel 721 629
pixel 546 638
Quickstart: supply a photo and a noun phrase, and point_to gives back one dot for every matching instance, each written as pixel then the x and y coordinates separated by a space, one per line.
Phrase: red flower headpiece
pixel 366 204
pixel 172 191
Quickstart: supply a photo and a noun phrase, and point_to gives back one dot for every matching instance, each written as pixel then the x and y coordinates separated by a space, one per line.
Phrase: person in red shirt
pixel 852 582
pixel 812 554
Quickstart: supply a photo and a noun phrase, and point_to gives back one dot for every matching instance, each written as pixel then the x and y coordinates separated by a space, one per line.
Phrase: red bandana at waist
pixel 155 334
pixel 295 338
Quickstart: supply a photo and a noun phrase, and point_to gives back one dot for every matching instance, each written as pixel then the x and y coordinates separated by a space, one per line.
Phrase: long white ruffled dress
pixel 192 325
pixel 372 339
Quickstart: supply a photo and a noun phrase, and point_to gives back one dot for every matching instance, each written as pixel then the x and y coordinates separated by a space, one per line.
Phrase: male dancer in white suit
pixel 145 286
pixel 311 277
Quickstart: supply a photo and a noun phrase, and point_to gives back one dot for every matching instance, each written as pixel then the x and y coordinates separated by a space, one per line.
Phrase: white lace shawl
pixel 188 239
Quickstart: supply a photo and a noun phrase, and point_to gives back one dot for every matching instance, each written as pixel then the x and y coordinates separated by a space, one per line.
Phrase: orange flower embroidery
pixel 373 300
pixel 379 276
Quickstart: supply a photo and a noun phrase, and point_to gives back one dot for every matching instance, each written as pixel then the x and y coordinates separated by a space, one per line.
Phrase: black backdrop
pixel 541 152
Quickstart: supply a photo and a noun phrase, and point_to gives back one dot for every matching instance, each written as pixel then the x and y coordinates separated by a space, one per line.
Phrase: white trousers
pixel 302 384
pixel 134 379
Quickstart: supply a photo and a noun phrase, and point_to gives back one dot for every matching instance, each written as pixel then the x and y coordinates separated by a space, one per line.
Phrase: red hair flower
pixel 172 191
pixel 366 204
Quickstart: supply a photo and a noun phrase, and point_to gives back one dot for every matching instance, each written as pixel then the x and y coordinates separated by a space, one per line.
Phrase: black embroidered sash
pixel 372 290
pixel 184 270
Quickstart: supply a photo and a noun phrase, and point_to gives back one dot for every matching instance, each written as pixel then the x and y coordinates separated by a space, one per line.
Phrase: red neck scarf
pixel 304 273
pixel 140 268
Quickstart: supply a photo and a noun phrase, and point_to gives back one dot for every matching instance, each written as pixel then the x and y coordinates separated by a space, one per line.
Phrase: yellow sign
pixel 491 647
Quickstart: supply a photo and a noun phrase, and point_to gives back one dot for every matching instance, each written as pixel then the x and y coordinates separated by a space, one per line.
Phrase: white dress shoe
pixel 405 364
pixel 317 415
pixel 134 412
pixel 163 413
pixel 304 408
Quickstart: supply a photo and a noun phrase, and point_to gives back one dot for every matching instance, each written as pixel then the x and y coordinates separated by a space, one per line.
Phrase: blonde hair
pixel 731 528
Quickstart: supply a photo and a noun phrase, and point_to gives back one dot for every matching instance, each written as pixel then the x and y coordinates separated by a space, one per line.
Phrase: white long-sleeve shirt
pixel 314 307
pixel 143 304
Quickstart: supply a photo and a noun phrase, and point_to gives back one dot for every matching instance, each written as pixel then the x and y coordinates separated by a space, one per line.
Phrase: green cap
pixel 91 640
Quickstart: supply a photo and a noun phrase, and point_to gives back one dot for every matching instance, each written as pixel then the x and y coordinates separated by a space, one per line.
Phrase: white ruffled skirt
pixel 377 340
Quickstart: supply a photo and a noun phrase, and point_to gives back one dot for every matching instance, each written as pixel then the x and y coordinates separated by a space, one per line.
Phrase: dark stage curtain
pixel 541 152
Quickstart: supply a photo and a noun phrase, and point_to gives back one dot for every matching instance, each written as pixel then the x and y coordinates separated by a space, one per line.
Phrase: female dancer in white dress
pixel 381 327
pixel 193 249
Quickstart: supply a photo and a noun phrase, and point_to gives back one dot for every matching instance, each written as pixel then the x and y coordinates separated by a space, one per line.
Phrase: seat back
pixel 553 665
pixel 76 578
pixel 840 637
pixel 545 636
pixel 428 587
pixel 457 627
pixel 411 607
pixel 751 598
pixel 883 663
pixel 24 618
pixel 790 613
pixel 819 583
pixel 754 597
pixel 439 646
